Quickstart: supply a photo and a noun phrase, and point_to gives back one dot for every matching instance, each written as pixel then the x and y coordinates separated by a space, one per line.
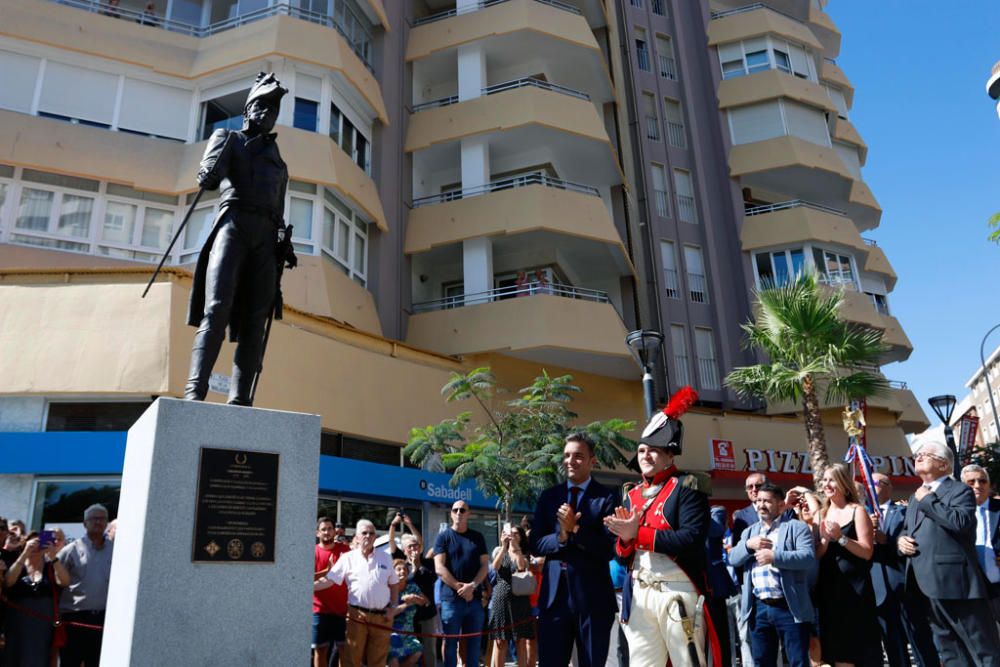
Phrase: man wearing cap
pixel 235 281
pixel 661 534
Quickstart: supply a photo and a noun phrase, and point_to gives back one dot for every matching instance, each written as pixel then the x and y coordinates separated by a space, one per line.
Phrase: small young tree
pixel 808 346
pixel 517 451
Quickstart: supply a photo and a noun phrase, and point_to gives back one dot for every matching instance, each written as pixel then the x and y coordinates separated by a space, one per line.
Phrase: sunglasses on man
pixel 458 510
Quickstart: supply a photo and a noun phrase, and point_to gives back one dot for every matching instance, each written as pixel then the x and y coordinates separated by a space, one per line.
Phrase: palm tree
pixel 808 346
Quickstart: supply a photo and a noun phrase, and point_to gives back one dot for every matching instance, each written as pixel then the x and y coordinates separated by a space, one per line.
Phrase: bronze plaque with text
pixel 236 506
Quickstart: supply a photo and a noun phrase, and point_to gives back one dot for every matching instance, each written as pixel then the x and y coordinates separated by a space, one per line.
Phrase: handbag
pixel 522 583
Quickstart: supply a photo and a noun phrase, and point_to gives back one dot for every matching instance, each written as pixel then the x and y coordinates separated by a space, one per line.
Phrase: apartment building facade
pixel 512 183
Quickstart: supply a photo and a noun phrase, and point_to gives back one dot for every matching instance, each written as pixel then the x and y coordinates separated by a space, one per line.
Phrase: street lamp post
pixel 986 376
pixel 943 406
pixel 645 347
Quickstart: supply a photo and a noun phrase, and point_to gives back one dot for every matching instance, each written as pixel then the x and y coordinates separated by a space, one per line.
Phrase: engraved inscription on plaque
pixel 236 506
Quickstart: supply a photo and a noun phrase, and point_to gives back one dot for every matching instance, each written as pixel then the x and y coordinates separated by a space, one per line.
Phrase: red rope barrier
pixel 442 635
pixel 46 617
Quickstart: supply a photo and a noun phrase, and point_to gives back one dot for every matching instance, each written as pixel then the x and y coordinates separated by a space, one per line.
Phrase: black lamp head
pixel 943 407
pixel 645 346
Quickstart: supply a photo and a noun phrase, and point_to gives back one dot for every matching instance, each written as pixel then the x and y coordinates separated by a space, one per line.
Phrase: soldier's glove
pixel 286 252
pixel 207 179
pixel 291 260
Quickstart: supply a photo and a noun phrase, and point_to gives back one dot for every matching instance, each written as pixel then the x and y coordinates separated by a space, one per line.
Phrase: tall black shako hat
pixel 665 430
pixel 266 87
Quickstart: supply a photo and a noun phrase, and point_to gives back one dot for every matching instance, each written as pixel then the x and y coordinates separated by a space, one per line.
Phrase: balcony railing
pixel 676 135
pixel 670 284
pixel 752 8
pixel 343 20
pixel 662 205
pixel 870 242
pixel 793 203
pixel 483 4
pixel 698 287
pixel 524 82
pixel 668 68
pixel 652 128
pixel 708 373
pixel 535 178
pixel 512 292
pixel 838 279
pixel 897 384
pixel 686 210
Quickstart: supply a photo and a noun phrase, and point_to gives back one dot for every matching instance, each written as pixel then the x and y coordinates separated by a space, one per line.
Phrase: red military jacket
pixel 652 519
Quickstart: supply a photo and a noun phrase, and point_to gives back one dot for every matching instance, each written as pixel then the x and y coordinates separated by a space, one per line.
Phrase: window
pixel 660 196
pixel 678 340
pixel 350 139
pixel 659 7
pixel 880 301
pixel 60 503
pixel 665 57
pixel 778 118
pixel 675 123
pixel 92 99
pixel 93 416
pixel 686 210
pixel 838 99
pixel 763 53
pixel 306 114
pixel 669 258
pixel 55 217
pixel 834 268
pixel 697 282
pixel 636 3
pixel 642 49
pixel 849 155
pixel 652 118
pixel 708 367
pixel 779 267
pixel 344 237
pixel 223 113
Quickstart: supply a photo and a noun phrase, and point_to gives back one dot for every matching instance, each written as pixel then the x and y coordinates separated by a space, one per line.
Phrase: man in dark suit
pixel 901 618
pixel 987 525
pixel 939 545
pixel 577 599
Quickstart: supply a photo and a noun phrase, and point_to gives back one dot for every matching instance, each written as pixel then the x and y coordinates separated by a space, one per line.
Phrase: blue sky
pixel 919 68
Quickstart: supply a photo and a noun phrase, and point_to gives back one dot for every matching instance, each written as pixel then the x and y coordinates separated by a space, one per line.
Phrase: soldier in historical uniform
pixel 661 532
pixel 236 279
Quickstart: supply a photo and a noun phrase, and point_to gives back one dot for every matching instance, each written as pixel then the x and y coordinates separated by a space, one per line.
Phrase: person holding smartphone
pixel 32 584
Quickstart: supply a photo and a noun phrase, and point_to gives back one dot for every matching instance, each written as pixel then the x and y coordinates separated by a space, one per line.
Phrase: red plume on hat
pixel 665 430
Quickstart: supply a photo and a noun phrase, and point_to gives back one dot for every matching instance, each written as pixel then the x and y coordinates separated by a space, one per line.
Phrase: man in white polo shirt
pixel 372 590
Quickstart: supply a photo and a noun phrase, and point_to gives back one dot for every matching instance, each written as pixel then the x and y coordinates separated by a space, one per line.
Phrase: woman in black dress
pixel 507 609
pixel 848 626
pixel 30 584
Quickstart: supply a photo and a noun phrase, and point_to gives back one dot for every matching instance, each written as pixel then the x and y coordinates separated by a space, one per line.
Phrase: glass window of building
pixel 223 113
pixel 642 49
pixel 661 198
pixel 678 342
pixel 666 64
pixel 763 53
pixel 696 278
pixel 652 118
pixel 93 416
pixel 60 503
pixel 708 367
pixel 668 255
pixel 834 268
pixel 676 134
pixel 686 210
pixel 306 114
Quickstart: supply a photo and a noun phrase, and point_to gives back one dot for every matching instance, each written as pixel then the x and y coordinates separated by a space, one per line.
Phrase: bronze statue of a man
pixel 236 282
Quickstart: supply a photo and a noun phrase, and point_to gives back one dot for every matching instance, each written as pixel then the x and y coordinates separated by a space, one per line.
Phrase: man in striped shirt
pixel 779 561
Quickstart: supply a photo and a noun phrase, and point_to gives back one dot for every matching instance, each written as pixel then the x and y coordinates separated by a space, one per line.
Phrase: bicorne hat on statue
pixel 268 88
pixel 665 430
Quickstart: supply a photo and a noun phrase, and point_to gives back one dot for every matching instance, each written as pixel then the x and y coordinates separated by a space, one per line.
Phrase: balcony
pixel 353 28
pixel 500 294
pixel 898 401
pixel 524 204
pixel 772 84
pixel 540 327
pixel 829 71
pixel 522 126
pixel 844 130
pixel 877 262
pixel 795 222
pixel 516 37
pixel 668 67
pixel 757 19
pixel 810 171
pixel 186 57
pixel 825 30
pixel 858 308
pixel 525 82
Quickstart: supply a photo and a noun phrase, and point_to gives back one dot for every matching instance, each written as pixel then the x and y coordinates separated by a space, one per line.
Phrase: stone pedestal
pixel 223 598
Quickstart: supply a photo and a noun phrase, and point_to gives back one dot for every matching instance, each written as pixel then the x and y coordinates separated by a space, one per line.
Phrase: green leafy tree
pixel 994 223
pixel 988 456
pixel 809 348
pixel 515 450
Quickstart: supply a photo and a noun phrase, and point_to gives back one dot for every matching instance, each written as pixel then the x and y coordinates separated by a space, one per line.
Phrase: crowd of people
pixel 54 592
pixel 597 579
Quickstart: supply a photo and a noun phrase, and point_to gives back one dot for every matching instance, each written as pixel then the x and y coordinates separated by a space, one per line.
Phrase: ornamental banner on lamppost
pixel 968 427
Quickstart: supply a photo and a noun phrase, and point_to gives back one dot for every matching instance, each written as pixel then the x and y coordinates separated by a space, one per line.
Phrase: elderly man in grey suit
pixel 939 542
pixel 780 561
pixel 987 528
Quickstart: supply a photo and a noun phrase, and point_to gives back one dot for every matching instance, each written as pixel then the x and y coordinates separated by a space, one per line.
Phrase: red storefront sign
pixel 723 455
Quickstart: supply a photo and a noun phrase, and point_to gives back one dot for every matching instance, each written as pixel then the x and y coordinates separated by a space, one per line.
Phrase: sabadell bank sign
pixel 445 492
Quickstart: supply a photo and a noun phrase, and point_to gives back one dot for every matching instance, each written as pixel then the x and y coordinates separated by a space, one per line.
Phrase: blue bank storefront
pixel 47 479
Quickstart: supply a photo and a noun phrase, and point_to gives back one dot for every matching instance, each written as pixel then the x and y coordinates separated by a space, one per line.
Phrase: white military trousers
pixel 654 629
